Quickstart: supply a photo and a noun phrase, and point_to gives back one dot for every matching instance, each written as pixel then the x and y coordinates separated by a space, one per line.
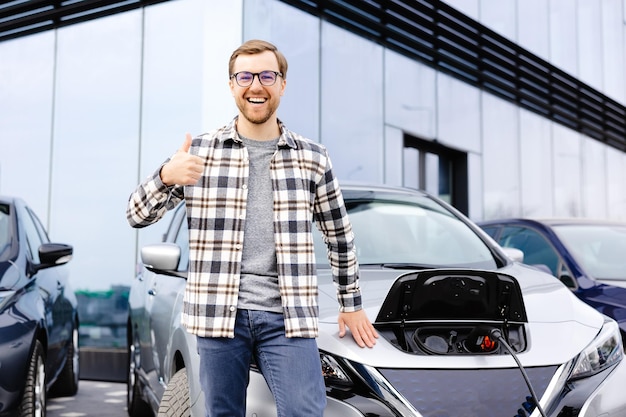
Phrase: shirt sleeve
pixel 151 200
pixel 332 220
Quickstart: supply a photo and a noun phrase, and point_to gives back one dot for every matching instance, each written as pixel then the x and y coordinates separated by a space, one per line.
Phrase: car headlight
pixel 334 374
pixel 603 352
pixel 5 298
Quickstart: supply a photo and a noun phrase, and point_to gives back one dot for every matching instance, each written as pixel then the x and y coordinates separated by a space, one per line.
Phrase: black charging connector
pixel 497 334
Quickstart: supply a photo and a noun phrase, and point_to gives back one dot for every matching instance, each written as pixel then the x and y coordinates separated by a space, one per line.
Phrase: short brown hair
pixel 256 46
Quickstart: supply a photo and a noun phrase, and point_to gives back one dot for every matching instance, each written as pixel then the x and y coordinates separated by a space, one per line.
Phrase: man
pixel 252 190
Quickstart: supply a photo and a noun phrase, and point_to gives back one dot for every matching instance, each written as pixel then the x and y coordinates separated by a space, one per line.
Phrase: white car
pixel 464 330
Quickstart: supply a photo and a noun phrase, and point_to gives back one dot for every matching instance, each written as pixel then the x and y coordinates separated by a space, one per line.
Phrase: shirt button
pixel 238 246
pixel 232 308
pixel 245 186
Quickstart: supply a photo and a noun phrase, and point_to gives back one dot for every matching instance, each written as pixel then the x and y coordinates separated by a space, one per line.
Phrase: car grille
pixel 468 393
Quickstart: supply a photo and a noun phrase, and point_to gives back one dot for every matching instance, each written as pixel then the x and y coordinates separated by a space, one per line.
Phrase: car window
pixel 182 240
pixel 410 232
pixel 33 236
pixel 41 231
pixel 491 230
pixel 178 232
pixel 537 250
pixel 5 231
pixel 600 249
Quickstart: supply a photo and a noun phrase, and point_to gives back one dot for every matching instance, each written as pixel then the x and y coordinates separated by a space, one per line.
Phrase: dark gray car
pixel 38 315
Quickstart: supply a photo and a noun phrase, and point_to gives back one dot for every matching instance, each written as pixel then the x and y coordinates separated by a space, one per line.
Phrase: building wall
pixel 533 167
pixel 89 110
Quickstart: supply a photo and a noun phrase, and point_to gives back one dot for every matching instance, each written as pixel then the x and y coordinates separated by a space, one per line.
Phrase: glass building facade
pixel 88 110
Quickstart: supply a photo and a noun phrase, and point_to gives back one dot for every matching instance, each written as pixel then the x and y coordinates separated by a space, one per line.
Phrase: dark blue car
pixel 588 256
pixel 38 315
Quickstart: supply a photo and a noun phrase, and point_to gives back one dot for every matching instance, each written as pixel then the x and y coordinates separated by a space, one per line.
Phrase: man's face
pixel 257 103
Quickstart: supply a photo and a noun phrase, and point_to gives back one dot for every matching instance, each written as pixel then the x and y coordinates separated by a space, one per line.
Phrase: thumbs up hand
pixel 183 168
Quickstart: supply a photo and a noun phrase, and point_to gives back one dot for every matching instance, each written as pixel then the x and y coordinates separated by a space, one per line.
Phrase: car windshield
pixel 409 231
pixel 600 249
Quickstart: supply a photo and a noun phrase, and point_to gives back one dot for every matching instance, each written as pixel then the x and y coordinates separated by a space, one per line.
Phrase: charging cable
pixel 495 333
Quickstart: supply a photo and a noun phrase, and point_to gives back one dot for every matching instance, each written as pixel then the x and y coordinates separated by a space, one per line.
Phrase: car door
pixel 50 284
pixel 165 289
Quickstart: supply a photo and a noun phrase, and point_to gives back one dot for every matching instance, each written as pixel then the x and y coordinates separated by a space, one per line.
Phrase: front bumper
pixel 478 392
pixel 15 347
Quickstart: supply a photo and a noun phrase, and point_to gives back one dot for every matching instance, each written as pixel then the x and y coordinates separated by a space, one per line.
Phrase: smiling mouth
pixel 256 100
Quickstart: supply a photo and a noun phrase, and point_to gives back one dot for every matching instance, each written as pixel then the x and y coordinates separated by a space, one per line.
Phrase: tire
pixel 67 383
pixel 34 400
pixel 135 405
pixel 175 401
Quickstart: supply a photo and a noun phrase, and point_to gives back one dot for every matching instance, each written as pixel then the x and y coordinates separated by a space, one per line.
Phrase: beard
pixel 256 117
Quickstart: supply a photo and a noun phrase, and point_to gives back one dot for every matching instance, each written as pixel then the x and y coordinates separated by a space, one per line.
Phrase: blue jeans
pixel 291 367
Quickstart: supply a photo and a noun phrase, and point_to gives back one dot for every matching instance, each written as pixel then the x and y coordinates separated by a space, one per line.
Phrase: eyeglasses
pixel 266 78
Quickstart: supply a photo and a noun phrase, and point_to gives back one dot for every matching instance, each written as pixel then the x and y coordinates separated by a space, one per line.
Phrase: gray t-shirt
pixel 258 288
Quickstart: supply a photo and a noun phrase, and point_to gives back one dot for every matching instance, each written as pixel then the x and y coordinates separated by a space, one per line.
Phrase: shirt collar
pixel 230 133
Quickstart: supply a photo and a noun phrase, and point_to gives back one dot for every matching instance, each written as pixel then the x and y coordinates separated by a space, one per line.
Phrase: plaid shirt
pixel 304 190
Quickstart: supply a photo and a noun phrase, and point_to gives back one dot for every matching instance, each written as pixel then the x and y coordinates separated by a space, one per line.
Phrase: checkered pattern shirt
pixel 304 190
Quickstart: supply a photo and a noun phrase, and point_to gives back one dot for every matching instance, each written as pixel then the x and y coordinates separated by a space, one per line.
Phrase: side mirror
pixel 53 254
pixel 162 257
pixel 514 254
pixel 568 281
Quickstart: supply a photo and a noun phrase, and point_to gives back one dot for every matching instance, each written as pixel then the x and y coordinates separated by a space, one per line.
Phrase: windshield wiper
pixel 398 265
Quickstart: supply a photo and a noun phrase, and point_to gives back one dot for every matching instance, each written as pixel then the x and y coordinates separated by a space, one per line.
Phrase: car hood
pixel 618 286
pixel 559 325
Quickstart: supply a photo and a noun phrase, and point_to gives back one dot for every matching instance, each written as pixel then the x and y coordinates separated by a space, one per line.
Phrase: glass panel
pixel 26 74
pixel 500 158
pixel 468 7
pixel 613 48
pixel 411 168
pixel 458 122
pixel 394 148
pixel 616 184
pixel 409 95
pixel 297 35
pixel 499 16
pixel 95 153
pixel 563 35
pixel 593 179
pixel 532 27
pixel 567 172
pixel 589 38
pixel 438 179
pixel 179 98
pixel 94 166
pixel 352 104
pixel 475 186
pixel 537 195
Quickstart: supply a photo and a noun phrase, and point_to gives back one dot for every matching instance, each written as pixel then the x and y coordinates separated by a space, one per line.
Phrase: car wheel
pixel 67 383
pixel 34 399
pixel 135 405
pixel 175 401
